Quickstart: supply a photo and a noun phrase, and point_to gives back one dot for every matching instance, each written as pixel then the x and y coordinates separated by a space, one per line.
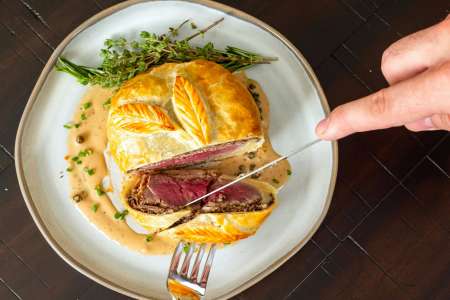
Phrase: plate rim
pixel 85 270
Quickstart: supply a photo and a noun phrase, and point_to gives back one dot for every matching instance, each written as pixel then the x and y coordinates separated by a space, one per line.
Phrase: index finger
pixel 417 52
pixel 408 101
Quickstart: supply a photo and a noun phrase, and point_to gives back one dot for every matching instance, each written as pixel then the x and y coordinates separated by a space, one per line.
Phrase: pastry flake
pixel 191 111
pixel 141 118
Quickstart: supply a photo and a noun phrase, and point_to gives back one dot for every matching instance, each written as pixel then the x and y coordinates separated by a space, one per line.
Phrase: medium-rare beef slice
pixel 237 197
pixel 195 157
pixel 167 192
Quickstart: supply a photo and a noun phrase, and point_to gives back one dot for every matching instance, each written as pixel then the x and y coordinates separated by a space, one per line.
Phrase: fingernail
pixel 322 127
pixel 428 124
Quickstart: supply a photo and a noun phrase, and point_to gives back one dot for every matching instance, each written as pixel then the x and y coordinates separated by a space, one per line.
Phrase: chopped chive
pixel 83 116
pixel 90 171
pixel 149 237
pixel 86 152
pixel 78 162
pixel 186 248
pixel 77 125
pixel 99 190
pixel 289 172
pixel 121 215
pixel 95 207
pixel 75 158
pixel 274 180
pixel 87 105
pixel 69 169
pixel 67 126
pixel 107 103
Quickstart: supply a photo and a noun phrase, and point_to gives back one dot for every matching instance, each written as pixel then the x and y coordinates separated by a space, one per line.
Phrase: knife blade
pixel 268 165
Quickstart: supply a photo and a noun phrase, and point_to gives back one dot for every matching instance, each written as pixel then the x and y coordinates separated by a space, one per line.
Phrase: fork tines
pixel 187 275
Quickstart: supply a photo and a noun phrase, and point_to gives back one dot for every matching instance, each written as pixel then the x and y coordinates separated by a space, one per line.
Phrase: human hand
pixel 417 68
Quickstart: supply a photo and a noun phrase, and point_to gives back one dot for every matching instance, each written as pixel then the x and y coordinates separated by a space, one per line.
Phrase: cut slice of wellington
pixel 167 192
pixel 210 153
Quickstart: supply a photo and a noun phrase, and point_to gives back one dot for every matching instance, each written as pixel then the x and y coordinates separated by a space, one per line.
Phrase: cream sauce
pixel 89 172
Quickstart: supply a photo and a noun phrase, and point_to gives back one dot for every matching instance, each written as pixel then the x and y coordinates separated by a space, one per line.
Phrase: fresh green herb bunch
pixel 123 60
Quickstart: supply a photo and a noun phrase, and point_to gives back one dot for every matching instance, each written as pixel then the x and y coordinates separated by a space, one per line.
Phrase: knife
pixel 268 165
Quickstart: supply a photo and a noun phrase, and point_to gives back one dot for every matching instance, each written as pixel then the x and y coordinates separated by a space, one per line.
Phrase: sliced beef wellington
pixel 167 192
pixel 157 201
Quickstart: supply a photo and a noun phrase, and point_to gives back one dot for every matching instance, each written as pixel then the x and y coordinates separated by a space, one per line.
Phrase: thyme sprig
pixel 123 60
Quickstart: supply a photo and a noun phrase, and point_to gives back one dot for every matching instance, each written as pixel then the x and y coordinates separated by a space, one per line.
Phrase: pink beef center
pixel 176 192
pixel 237 192
pixel 195 157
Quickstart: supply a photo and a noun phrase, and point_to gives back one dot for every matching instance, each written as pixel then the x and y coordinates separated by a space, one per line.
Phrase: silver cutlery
pixel 267 165
pixel 186 280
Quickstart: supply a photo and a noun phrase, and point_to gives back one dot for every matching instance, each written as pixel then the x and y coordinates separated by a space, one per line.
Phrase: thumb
pixel 410 100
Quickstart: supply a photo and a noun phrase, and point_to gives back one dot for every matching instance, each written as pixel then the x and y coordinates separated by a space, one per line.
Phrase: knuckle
pixel 379 104
pixel 386 59
pixel 442 28
pixel 390 58
pixel 443 72
pixel 445 24
pixel 441 121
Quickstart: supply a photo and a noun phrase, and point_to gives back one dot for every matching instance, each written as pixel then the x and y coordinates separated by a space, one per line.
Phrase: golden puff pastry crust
pixel 179 108
pixel 220 227
pixel 205 227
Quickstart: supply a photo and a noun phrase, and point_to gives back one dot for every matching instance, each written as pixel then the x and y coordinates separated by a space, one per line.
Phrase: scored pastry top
pixel 179 108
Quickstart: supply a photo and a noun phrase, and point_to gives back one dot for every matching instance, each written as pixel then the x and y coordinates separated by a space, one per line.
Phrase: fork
pixel 183 284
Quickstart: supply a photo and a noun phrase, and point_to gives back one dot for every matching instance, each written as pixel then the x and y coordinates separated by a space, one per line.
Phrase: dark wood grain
pixel 278 285
pixel 386 235
pixel 441 155
pixel 19 277
pixel 53 271
pixel 5 160
pixel 14 216
pixel 431 187
pixel 99 292
pixel 414 242
pixel 408 16
pixel 347 210
pixel 6 293
pixel 305 21
pixel 348 273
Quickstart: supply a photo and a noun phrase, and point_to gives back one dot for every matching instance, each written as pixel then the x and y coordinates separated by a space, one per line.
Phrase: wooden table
pixel 386 235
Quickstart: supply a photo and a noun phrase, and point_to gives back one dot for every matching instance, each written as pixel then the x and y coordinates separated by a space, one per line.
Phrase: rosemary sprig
pixel 123 60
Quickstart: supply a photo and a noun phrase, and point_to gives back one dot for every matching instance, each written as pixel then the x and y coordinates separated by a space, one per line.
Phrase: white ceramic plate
pixel 297 104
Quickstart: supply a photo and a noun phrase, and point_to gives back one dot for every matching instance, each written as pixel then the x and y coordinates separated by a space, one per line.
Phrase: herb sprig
pixel 123 60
